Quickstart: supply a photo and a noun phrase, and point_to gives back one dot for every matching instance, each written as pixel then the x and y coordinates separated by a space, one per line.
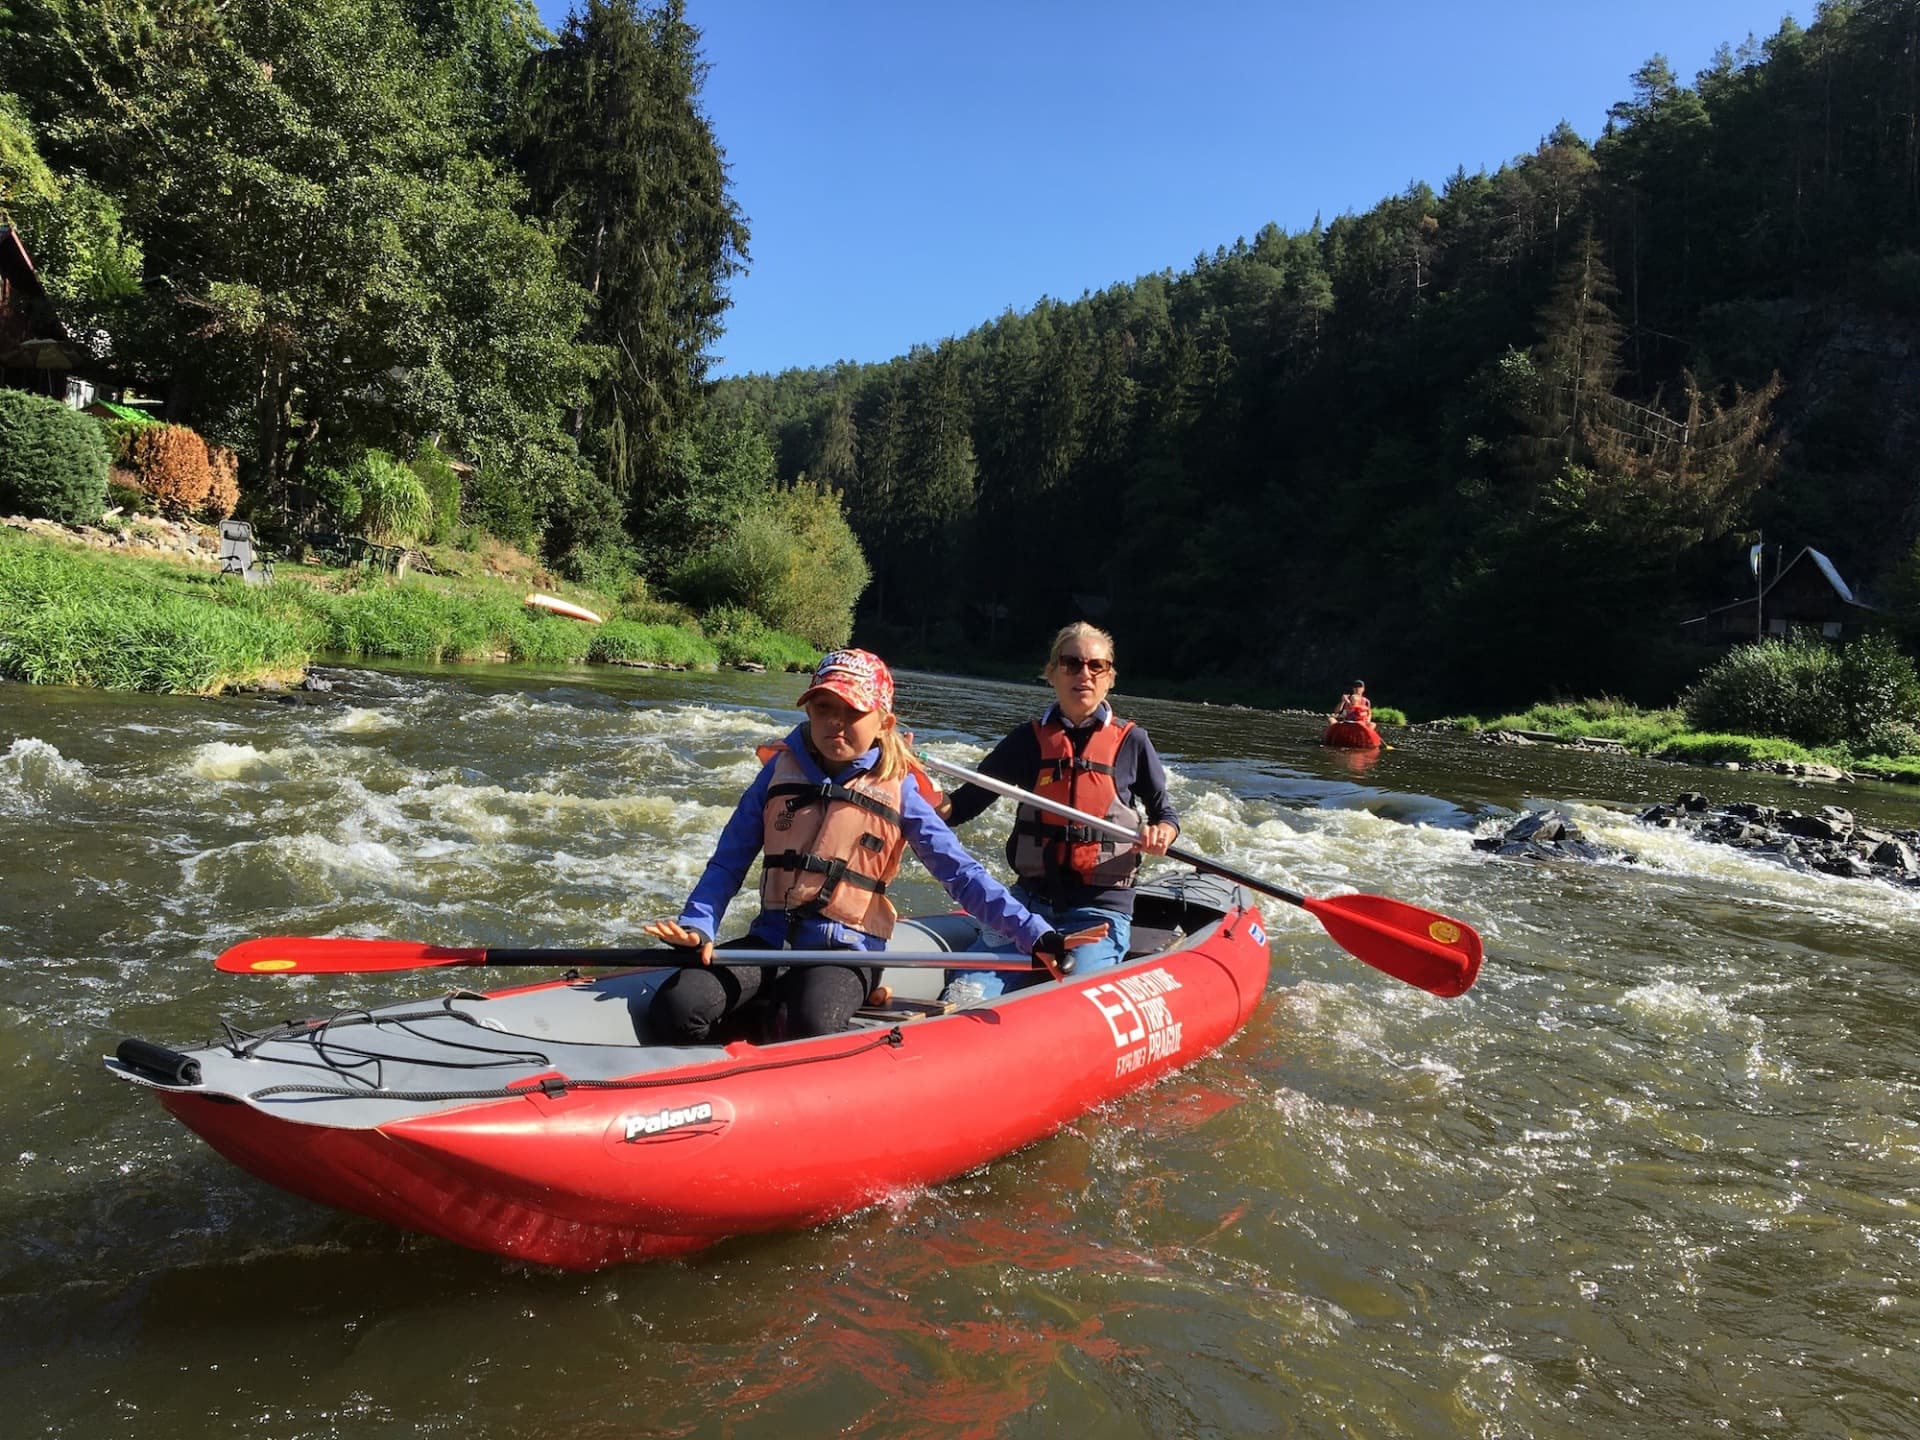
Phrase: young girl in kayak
pixel 1083 755
pixel 833 808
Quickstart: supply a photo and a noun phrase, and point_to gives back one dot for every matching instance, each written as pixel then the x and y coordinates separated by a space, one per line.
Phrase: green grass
pixel 79 617
pixel 1663 735
pixel 1903 768
pixel 630 642
pixel 1642 731
pixel 1387 715
pixel 1705 748
pixel 774 649
pixel 69 617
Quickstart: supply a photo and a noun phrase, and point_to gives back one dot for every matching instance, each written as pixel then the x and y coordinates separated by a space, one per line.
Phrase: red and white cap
pixel 858 677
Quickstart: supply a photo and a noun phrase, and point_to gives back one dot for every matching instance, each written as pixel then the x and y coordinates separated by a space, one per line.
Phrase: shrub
pixel 224 491
pixel 338 494
pixel 394 505
pixel 1387 715
pixel 742 637
pixel 442 484
pixel 120 435
pixel 502 507
pixel 123 490
pixel 1876 685
pixel 53 460
pixel 171 462
pixel 1788 689
pixel 1711 749
pixel 793 561
pixel 1891 738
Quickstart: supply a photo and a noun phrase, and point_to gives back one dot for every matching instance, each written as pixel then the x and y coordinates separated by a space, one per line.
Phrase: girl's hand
pixel 1158 839
pixel 674 933
pixel 1054 954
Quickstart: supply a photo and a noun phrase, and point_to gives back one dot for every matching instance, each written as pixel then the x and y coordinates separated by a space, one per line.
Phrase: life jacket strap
pixel 803 792
pixel 1060 830
pixel 836 871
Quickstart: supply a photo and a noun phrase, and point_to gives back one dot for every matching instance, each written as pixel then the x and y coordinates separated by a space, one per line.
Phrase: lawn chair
pixel 238 557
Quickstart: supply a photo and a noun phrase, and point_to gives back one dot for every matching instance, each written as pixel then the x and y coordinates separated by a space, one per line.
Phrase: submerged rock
pixel 1546 835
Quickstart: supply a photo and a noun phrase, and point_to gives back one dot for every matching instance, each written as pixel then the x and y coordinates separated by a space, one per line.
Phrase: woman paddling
pixel 1082 755
pixel 1354 707
pixel 833 808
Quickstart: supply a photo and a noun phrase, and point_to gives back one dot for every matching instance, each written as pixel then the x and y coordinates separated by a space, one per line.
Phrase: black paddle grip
pixel 158 1063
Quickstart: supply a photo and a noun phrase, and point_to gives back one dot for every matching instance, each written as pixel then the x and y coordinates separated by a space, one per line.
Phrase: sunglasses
pixel 1074 664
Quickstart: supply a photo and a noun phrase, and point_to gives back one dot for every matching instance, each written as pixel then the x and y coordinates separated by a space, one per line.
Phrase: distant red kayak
pixel 1351 735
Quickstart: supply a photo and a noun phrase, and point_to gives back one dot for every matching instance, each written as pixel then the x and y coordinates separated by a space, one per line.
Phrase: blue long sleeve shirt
pixel 964 878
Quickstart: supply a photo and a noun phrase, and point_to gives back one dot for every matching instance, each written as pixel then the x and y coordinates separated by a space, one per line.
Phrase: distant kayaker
pixel 1080 754
pixel 834 807
pixel 1354 707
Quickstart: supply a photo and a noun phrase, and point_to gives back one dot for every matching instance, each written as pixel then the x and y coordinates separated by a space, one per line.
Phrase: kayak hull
pixel 1351 735
pixel 648 1163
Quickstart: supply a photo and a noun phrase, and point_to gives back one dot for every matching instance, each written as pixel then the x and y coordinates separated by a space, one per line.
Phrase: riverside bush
pixel 742 637
pixel 1876 686
pixel 1603 718
pixel 170 462
pixel 394 506
pixel 53 460
pixel 1787 689
pixel 1700 748
pixel 793 561
pixel 1808 691
pixel 442 484
pixel 1889 738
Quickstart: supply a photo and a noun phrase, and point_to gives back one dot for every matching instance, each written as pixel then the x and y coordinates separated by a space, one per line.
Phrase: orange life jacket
pixel 1048 847
pixel 829 849
pixel 1358 711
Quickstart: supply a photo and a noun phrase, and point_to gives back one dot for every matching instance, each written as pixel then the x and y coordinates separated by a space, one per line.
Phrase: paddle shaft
pixel 343 955
pixel 1105 826
pixel 687 958
pixel 1421 947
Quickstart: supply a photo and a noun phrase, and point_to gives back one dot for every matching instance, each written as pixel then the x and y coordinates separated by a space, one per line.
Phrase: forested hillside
pixel 1483 442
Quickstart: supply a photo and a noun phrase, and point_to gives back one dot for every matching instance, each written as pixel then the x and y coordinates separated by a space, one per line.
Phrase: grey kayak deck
pixel 365 1068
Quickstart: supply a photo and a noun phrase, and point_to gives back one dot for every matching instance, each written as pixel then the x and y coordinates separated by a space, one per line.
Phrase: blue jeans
pixel 969 986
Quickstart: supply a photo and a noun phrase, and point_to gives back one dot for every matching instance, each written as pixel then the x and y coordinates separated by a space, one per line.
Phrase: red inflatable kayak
pixel 532 1123
pixel 1351 735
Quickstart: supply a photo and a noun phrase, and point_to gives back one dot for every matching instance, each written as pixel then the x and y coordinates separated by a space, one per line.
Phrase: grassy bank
pixel 71 616
pixel 1663 735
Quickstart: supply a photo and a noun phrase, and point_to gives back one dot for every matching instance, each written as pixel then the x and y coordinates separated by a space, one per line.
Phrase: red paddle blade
pixel 306 955
pixel 1418 946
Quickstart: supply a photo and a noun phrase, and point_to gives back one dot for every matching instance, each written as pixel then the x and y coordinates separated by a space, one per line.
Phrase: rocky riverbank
pixel 1828 841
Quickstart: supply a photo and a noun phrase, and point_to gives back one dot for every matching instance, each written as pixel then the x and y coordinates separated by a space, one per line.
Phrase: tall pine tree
pixel 615 147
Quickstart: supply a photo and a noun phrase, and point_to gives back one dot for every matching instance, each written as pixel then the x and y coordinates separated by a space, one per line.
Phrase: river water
pixel 1656 1174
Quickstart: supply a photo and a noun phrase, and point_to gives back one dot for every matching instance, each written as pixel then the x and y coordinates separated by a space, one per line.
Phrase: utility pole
pixel 1757 556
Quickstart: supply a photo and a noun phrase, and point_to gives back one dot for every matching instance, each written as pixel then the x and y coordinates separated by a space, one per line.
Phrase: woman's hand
pixel 1158 839
pixel 674 933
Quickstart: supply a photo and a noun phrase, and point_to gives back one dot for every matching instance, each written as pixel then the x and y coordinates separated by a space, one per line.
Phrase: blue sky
pixel 912 169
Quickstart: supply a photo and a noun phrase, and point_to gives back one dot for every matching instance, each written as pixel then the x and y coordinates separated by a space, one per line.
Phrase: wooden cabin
pixel 36 353
pixel 1806 594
